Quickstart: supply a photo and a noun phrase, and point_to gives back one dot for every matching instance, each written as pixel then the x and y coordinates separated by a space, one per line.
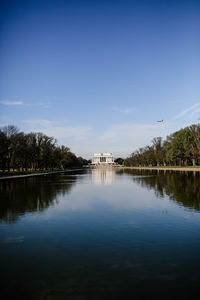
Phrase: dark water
pixel 100 234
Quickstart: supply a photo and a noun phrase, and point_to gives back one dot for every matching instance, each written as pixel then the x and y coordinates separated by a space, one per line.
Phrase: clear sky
pixel 97 75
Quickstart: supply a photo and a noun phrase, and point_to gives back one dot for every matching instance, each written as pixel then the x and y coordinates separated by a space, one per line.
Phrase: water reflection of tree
pixel 30 195
pixel 183 187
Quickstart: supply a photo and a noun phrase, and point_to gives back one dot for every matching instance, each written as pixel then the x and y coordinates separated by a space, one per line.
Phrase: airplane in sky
pixel 160 121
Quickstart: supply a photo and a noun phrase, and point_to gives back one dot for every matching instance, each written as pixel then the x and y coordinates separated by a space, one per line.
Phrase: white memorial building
pixel 103 158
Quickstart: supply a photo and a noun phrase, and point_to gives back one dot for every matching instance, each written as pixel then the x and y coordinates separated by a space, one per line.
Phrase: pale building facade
pixel 102 158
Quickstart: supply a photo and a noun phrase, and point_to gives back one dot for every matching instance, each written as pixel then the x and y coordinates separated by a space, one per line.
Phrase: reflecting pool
pixel 101 234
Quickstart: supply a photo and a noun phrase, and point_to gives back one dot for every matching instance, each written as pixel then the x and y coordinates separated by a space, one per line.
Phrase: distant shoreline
pixel 37 174
pixel 175 168
pixel 171 168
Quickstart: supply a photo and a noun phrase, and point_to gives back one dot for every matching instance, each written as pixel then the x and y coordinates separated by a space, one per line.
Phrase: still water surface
pixel 101 234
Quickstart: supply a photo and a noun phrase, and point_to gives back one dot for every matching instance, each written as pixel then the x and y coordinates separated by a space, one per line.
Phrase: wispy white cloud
pixel 35 124
pixel 67 135
pixel 11 102
pixel 125 138
pixel 195 112
pixel 41 104
pixel 191 111
pixel 124 111
pixel 121 139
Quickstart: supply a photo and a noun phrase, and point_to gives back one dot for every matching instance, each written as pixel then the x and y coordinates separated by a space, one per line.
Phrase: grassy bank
pixel 167 168
pixel 17 173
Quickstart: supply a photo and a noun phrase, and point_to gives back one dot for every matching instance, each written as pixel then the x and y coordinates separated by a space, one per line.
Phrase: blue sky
pixel 97 75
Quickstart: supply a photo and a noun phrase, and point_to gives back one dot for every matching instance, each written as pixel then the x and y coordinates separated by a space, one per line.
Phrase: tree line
pixel 33 151
pixel 45 195
pixel 182 187
pixel 181 148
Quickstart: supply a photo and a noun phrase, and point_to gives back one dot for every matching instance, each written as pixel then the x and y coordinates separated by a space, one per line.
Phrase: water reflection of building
pixel 103 176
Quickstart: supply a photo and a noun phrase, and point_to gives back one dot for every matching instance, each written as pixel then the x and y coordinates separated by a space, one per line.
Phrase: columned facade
pixel 102 158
